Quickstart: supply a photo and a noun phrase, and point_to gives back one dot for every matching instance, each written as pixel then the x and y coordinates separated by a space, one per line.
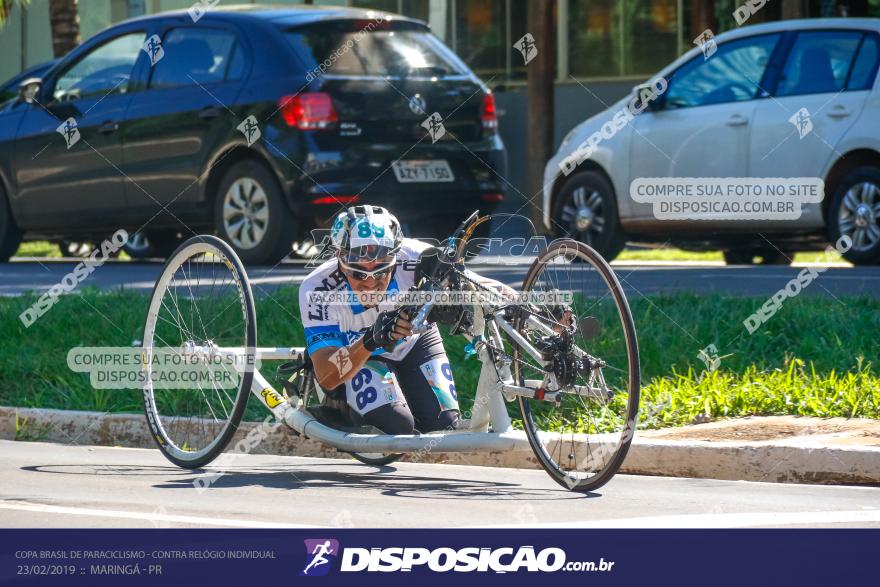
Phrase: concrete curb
pixel 792 460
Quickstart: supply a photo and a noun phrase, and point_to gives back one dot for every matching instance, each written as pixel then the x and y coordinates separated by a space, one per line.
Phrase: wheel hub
pixel 582 213
pixel 864 216
pixel 584 219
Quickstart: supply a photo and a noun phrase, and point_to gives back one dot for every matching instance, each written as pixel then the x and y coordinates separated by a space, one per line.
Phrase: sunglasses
pixel 361 274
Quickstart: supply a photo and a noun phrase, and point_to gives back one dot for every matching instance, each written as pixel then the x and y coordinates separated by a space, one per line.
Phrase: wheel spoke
pixel 850 201
pixel 859 238
pixel 869 192
pixel 239 196
pixel 578 197
pixel 230 212
pixel 873 234
pixel 262 215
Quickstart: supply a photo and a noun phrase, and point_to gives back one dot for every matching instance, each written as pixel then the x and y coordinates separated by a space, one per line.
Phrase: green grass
pixel 47 250
pixel 43 249
pixel 668 254
pixel 814 357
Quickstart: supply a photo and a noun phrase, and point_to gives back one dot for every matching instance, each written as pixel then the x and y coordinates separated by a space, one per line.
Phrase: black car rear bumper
pixel 324 181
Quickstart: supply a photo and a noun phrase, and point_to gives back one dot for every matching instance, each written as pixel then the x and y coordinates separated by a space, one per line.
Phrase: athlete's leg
pixel 376 399
pixel 425 377
pixel 393 418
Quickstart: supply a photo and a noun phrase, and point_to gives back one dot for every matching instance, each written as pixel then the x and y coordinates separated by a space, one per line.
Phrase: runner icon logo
pixel 321 553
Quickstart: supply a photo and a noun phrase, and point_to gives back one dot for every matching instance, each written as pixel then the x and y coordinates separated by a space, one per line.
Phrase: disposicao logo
pixel 322 553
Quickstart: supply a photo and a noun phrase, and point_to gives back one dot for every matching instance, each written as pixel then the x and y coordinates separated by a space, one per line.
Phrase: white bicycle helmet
pixel 365 232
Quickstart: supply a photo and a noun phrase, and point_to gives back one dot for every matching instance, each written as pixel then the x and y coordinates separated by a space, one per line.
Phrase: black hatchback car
pixel 256 123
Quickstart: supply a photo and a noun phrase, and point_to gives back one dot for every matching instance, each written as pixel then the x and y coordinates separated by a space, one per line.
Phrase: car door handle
pixel 109 127
pixel 209 112
pixel 737 120
pixel 838 111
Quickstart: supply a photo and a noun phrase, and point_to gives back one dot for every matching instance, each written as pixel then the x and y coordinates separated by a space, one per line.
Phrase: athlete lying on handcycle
pixel 374 369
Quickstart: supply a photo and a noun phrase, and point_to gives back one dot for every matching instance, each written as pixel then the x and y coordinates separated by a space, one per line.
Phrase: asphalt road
pixel 22 276
pixel 58 486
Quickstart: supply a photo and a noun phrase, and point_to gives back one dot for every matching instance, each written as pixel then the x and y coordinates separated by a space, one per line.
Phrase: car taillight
pixel 309 111
pixel 377 24
pixel 336 199
pixel 488 116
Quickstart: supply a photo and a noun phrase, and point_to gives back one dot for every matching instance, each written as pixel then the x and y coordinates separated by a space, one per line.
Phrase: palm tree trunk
pixel 64 19
pixel 540 21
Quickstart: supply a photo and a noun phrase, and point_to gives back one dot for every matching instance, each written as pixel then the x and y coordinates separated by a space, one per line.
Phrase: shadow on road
pixel 386 480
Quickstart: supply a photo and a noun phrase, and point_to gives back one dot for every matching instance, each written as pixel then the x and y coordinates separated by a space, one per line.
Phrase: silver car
pixel 737 106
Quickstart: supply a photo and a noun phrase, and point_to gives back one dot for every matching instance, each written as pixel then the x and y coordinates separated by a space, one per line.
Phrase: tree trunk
pixel 64 19
pixel 702 18
pixel 539 95
pixel 792 9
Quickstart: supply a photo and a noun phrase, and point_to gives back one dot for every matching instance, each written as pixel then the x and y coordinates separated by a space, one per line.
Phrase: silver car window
pixel 732 74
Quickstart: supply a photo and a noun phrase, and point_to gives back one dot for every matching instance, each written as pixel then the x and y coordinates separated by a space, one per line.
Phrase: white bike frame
pixel 495 388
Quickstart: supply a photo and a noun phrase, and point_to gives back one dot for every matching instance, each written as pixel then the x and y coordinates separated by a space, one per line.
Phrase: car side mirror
pixel 27 90
pixel 645 97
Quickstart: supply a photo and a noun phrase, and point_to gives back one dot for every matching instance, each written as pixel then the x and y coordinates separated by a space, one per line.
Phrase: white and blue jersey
pixel 337 325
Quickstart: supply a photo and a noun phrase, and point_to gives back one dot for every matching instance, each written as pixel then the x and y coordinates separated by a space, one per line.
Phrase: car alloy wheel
pixel 245 213
pixel 585 209
pixel 859 216
pixel 583 213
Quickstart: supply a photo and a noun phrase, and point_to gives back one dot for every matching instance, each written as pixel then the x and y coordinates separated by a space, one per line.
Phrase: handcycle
pixel 571 369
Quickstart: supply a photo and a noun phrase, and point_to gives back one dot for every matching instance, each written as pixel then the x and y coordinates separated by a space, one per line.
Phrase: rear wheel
pixel 158 243
pixel 582 437
pixel 855 213
pixel 313 395
pixel 201 320
pixel 251 215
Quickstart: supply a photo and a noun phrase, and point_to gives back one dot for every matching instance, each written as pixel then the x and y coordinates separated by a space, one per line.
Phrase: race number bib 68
pixel 373 386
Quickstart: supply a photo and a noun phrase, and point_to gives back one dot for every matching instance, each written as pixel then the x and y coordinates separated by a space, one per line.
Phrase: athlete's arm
pixel 336 365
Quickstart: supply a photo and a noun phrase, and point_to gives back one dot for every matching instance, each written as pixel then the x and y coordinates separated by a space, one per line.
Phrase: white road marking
pixel 731 520
pixel 152 517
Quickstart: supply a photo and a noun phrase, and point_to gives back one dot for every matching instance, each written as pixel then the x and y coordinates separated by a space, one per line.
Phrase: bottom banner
pixel 434 557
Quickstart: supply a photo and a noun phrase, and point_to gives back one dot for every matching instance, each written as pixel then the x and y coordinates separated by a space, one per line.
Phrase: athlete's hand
pixel 389 327
pixel 402 326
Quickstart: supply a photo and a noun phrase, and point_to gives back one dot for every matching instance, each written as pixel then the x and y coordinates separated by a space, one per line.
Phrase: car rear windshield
pixel 354 48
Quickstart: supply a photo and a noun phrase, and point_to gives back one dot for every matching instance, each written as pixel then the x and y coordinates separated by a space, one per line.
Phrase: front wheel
pixel 581 437
pixel 198 351
pixel 854 214
pixel 586 209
